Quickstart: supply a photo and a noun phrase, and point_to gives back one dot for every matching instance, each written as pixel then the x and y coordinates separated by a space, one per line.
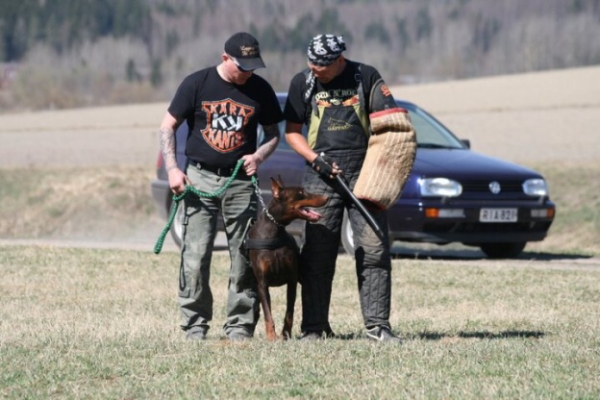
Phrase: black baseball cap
pixel 244 48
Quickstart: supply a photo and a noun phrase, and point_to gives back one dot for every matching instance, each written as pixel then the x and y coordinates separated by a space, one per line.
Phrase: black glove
pixel 322 164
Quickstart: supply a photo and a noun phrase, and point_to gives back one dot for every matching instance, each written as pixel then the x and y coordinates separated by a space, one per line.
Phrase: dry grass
pixel 575 190
pixel 103 324
pixel 76 203
pixel 78 323
pixel 113 204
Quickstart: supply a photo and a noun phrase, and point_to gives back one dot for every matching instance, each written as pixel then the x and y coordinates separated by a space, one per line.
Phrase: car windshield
pixel 431 134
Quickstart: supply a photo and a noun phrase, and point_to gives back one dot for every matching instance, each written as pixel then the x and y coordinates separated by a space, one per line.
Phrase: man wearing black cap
pixel 334 98
pixel 222 105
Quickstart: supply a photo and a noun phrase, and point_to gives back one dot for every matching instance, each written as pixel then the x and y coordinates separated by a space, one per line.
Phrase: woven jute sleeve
pixel 389 160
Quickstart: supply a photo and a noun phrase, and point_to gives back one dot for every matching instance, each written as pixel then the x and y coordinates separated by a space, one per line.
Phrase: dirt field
pixel 544 118
pixel 531 118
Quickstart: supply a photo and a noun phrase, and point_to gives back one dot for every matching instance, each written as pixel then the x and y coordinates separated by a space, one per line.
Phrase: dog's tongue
pixel 311 215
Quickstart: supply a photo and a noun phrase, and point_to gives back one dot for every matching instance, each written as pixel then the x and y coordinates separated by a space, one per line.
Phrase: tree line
pixel 81 52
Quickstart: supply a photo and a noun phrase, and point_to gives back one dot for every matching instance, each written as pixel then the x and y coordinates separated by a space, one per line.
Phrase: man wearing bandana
pixel 334 98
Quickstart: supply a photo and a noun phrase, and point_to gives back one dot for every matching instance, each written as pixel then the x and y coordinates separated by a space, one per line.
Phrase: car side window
pixel 429 132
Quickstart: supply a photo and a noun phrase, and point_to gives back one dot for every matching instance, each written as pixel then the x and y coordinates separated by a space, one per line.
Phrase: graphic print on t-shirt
pixel 225 122
pixel 337 97
pixel 337 108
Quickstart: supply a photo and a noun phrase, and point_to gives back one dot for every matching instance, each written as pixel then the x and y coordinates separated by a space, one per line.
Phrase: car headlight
pixel 535 187
pixel 439 187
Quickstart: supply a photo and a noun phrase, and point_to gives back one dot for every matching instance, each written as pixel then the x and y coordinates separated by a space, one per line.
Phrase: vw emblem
pixel 494 187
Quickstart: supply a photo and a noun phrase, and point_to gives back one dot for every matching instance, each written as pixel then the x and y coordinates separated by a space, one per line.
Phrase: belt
pixel 215 170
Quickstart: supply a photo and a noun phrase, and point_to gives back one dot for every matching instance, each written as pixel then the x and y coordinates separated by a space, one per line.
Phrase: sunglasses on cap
pixel 237 64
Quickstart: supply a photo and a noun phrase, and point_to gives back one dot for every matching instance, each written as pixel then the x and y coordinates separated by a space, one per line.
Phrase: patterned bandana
pixel 323 50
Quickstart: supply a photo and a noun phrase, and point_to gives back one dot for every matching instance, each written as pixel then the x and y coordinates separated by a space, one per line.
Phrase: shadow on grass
pixel 462 335
pixel 474 254
pixel 483 335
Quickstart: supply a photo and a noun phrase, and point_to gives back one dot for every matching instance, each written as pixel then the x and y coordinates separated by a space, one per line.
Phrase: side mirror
pixel 466 142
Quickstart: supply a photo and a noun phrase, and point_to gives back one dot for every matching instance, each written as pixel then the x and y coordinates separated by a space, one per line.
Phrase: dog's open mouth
pixel 309 215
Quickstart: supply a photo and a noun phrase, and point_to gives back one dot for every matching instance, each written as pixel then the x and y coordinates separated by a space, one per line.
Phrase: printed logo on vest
pixel 337 125
pixel 225 122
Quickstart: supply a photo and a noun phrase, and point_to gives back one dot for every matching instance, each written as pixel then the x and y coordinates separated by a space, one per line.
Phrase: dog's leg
pixel 288 322
pixel 265 300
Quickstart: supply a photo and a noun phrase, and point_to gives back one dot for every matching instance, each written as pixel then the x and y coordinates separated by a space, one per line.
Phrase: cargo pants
pixel 237 206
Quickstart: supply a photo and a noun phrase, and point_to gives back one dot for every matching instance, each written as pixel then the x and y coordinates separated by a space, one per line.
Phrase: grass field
pixel 99 324
pixel 103 324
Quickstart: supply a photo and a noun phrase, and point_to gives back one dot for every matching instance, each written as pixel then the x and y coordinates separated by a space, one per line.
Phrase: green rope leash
pixel 191 189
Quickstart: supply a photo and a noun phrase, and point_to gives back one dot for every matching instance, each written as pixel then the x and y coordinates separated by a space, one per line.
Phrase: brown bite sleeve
pixel 389 160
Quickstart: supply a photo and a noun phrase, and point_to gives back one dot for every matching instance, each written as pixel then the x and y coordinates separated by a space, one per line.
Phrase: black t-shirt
pixel 333 97
pixel 223 117
pixel 295 108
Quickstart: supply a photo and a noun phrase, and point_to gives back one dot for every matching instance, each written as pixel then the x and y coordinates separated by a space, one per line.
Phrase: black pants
pixel 319 254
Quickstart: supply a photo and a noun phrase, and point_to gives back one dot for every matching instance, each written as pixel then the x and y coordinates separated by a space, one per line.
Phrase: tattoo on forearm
pixel 269 143
pixel 167 146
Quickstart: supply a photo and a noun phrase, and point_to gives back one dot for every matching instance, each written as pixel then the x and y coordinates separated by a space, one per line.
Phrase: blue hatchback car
pixel 452 195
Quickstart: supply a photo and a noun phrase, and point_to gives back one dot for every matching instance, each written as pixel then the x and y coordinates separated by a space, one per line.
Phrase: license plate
pixel 498 215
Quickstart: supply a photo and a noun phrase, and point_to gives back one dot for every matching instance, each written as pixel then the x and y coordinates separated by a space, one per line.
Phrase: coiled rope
pixel 190 189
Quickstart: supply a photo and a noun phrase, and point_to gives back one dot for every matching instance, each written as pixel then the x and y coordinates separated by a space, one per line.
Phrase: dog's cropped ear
pixel 280 180
pixel 276 189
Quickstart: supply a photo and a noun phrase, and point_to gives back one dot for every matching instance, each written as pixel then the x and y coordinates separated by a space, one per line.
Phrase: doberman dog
pixel 273 252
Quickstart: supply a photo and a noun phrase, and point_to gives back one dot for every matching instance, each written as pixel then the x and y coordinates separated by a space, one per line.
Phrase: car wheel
pixel 503 250
pixel 347 236
pixel 177 225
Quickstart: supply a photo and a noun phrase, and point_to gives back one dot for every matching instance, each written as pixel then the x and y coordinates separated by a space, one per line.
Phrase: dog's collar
pixel 271 244
pixel 272 218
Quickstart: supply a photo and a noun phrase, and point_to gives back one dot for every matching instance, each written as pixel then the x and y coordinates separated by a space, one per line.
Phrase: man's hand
pixel 266 148
pixel 251 163
pixel 325 166
pixel 177 180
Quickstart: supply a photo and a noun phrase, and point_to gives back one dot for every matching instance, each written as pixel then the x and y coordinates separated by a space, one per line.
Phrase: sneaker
pixel 382 334
pixel 316 335
pixel 196 333
pixel 238 336
pixel 311 336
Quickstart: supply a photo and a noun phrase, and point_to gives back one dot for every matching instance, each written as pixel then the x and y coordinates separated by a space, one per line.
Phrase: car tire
pixel 347 236
pixel 503 250
pixel 177 225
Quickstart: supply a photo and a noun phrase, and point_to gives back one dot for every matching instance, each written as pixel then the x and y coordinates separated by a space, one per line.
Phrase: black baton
pixel 365 213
